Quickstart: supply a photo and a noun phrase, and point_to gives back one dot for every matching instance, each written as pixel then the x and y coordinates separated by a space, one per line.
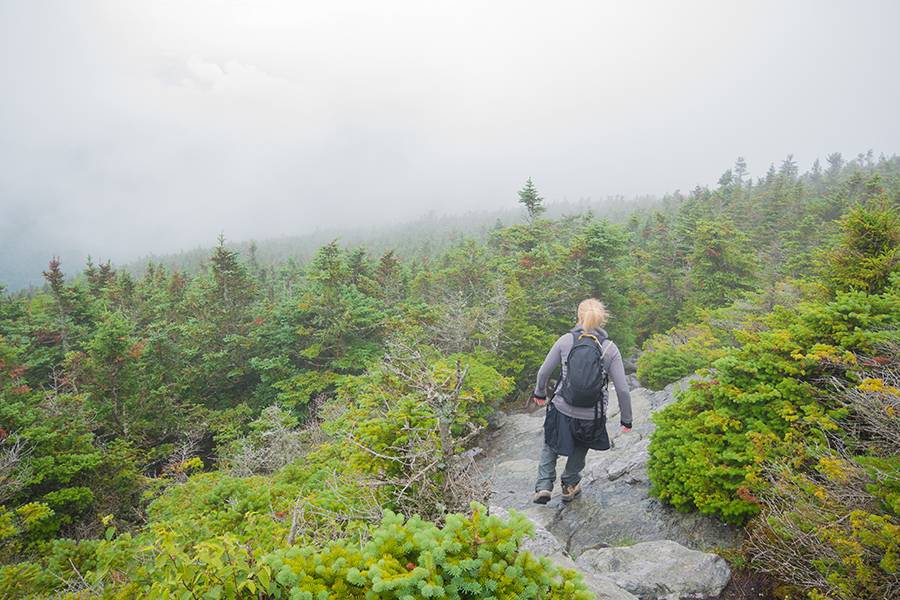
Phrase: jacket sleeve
pixel 617 373
pixel 550 363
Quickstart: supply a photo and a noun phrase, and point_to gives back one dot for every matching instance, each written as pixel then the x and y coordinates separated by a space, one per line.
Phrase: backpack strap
pixel 593 337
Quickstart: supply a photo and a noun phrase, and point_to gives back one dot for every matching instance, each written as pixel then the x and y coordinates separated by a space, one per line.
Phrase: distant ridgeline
pixel 246 425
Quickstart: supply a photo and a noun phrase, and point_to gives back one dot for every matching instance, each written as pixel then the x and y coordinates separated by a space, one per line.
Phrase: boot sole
pixel 541 500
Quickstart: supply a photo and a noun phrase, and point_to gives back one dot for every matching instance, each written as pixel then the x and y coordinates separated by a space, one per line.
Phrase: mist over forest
pixel 308 301
pixel 270 119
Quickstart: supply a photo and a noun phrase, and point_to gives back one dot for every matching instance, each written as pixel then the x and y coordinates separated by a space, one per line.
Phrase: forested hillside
pixel 294 429
pixel 427 236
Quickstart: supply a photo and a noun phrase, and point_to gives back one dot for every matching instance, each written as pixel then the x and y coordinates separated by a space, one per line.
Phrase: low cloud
pixel 133 128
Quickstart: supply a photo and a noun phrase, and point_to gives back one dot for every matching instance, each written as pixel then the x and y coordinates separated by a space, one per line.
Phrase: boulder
pixel 544 543
pixel 663 570
pixel 604 589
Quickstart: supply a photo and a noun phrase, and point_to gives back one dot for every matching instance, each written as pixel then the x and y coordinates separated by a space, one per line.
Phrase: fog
pixel 129 128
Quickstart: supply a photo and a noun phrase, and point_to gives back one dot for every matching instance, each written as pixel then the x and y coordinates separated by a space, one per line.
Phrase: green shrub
pixel 474 556
pixel 832 521
pixel 470 557
pixel 709 447
pixel 866 256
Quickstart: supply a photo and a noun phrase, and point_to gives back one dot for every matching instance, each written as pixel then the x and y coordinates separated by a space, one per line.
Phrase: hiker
pixel 576 414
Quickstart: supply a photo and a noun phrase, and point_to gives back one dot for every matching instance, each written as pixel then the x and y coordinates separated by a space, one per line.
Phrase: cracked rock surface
pixel 614 510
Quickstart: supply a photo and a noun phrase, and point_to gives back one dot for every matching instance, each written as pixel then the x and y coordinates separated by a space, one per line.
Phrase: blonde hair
pixel 592 314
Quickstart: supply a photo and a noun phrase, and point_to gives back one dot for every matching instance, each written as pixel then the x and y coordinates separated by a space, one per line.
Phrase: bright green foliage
pixel 867 253
pixel 473 556
pixel 685 349
pixel 45 479
pixel 709 448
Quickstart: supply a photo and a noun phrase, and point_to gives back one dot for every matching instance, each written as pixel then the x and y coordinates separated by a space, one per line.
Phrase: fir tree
pixel 788 169
pixel 835 164
pixel 740 170
pixel 105 275
pixel 233 286
pixel 57 282
pixel 531 200
pixel 866 256
pixel 721 265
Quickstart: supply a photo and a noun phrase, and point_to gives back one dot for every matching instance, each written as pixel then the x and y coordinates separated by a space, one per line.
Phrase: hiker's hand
pixel 539 401
pixel 625 429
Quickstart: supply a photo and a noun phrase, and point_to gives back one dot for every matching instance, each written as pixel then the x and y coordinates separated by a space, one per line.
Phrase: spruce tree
pixel 233 285
pixel 57 282
pixel 865 257
pixel 722 265
pixel 740 170
pixel 531 200
pixel 835 164
pixel 788 168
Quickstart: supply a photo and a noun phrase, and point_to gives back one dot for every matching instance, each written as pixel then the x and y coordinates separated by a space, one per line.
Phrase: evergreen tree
pixel 740 170
pixel 722 267
pixel 252 259
pixel 57 282
pixel 233 285
pixel 788 169
pixel 815 176
pixel 866 255
pixel 601 253
pixel 105 275
pixel 360 270
pixel 531 200
pixel 835 165
pixel 660 274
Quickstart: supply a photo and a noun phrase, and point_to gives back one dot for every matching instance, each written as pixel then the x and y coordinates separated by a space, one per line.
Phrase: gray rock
pixel 605 589
pixel 640 407
pixel 663 570
pixel 633 382
pixel 615 506
pixel 670 393
pixel 544 543
pixel 635 455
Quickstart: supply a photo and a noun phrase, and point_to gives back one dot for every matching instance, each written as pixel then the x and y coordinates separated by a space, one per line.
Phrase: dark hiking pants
pixel 547 468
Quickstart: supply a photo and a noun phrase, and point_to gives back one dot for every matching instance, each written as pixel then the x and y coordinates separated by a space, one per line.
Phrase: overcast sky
pixel 131 127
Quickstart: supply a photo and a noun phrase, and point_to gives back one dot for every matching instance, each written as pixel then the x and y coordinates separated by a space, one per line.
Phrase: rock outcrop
pixel 662 569
pixel 614 514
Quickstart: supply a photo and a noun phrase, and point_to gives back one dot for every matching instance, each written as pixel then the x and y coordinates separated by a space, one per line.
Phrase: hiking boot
pixel 542 497
pixel 569 492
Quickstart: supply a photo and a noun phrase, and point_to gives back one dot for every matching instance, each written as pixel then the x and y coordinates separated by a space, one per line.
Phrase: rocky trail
pixel 627 544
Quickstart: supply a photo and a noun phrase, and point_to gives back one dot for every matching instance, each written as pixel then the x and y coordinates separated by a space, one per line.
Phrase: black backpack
pixel 586 378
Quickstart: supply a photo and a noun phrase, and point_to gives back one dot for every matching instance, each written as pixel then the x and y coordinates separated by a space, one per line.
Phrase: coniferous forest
pixel 299 428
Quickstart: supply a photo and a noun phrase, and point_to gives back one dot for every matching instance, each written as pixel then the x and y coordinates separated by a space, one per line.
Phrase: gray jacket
pixel 612 360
